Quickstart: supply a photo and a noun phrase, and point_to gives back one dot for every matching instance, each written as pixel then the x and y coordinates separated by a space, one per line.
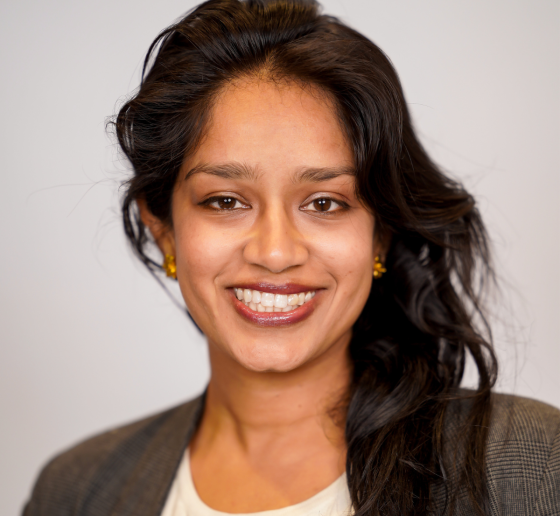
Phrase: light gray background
pixel 89 340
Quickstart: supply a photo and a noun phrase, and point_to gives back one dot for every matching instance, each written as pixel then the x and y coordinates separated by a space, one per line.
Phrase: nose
pixel 274 242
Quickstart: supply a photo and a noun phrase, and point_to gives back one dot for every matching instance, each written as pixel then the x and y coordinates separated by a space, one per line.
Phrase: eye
pixel 322 204
pixel 223 202
pixel 325 205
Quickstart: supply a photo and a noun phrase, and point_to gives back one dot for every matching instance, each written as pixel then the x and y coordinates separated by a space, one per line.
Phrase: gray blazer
pixel 128 471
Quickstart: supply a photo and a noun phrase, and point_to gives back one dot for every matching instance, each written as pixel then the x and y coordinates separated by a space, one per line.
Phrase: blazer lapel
pixel 145 491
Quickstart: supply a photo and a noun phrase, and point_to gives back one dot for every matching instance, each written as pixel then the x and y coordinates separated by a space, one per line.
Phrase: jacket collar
pixel 145 490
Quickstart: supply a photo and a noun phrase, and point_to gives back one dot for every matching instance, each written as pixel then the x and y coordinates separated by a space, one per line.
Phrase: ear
pixel 162 233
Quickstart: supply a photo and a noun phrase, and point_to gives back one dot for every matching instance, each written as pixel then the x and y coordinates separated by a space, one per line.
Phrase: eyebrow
pixel 241 171
pixel 225 170
pixel 319 174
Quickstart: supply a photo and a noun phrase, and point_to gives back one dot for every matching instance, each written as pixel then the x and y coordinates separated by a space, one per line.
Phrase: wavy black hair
pixel 411 340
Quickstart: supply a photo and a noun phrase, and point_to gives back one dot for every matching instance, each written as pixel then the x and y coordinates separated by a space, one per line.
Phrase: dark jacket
pixel 128 471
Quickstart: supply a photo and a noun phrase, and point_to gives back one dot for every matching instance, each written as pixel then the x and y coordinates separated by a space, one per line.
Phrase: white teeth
pixel 268 302
pixel 293 299
pixel 267 299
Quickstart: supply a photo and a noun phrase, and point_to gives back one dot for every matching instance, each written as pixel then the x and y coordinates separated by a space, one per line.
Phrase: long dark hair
pixel 410 343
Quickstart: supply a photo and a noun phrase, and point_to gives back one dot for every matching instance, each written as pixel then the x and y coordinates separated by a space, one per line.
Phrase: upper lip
pixel 286 288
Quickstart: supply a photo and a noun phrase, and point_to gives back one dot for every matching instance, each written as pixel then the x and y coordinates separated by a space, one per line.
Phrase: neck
pixel 256 406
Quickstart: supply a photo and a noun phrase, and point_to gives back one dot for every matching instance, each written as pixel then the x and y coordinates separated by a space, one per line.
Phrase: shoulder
pixel 71 478
pixel 514 418
pixel 522 455
pixel 523 419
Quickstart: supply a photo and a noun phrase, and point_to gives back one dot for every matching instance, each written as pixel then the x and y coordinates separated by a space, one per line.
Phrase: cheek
pixel 349 259
pixel 203 253
pixel 348 253
pixel 354 269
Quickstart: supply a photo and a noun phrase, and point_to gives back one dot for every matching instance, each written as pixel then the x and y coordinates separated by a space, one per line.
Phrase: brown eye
pixel 322 204
pixel 226 203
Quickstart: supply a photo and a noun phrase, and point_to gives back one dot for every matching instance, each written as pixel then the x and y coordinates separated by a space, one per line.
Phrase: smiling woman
pixel 332 268
pixel 268 204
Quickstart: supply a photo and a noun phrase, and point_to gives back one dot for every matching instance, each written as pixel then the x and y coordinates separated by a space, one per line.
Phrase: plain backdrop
pixel 90 341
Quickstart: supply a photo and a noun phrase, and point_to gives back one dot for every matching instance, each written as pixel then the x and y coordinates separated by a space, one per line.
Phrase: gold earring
pixel 378 268
pixel 169 266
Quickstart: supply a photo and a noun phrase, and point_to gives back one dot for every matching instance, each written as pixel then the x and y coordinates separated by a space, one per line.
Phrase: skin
pixel 267 439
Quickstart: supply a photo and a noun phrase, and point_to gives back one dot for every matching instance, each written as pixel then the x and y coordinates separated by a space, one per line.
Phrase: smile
pixel 270 302
pixel 275 305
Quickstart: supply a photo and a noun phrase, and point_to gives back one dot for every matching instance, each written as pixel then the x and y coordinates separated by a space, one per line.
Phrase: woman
pixel 333 269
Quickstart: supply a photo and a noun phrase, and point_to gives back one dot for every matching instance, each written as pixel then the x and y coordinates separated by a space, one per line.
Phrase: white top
pixel 183 500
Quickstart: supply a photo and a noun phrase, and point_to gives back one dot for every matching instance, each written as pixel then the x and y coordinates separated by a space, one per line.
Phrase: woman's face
pixel 265 211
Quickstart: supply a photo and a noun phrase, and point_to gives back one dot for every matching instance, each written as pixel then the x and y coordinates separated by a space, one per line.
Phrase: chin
pixel 271 358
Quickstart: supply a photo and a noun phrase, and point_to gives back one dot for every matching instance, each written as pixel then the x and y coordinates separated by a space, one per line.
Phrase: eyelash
pixel 208 203
pixel 342 205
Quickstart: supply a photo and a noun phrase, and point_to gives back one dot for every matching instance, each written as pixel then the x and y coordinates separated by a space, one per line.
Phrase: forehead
pixel 273 126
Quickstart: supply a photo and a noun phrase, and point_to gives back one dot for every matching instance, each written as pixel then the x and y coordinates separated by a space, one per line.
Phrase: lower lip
pixel 274 318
